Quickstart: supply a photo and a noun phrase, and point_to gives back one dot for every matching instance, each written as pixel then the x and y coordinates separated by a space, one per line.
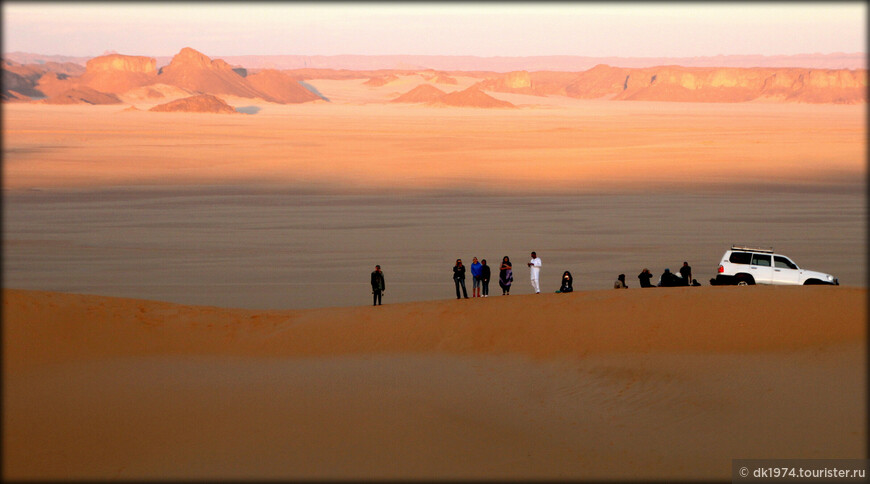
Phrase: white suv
pixel 750 265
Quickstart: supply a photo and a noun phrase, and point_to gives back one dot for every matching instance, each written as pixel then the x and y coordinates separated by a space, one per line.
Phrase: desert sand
pixel 636 384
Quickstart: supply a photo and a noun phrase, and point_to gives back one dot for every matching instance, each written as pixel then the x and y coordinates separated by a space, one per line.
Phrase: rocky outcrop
pixel 201 103
pixel 542 83
pixel 674 83
pixel 424 93
pixel 472 98
pixel 280 87
pixel 195 72
pixel 118 73
pixel 83 95
pixel 21 81
pixel 381 80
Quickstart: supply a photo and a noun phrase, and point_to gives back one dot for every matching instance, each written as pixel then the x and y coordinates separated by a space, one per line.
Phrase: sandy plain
pixel 290 208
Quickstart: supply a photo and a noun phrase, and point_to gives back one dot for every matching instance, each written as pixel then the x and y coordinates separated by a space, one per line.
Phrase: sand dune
pixel 201 103
pixel 637 384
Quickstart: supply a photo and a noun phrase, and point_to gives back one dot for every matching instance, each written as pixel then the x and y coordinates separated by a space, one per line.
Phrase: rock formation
pixel 280 87
pixel 82 95
pixel 200 103
pixel 381 80
pixel 471 97
pixel 674 83
pixel 424 93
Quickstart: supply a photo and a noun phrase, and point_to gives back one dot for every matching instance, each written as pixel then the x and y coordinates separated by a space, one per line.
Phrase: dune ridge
pixel 55 326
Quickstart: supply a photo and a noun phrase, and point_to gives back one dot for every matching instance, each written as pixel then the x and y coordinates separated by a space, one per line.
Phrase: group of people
pixel 667 279
pixel 481 275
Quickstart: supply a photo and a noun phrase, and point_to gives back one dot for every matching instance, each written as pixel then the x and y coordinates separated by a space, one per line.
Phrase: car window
pixel 740 257
pixel 783 263
pixel 761 260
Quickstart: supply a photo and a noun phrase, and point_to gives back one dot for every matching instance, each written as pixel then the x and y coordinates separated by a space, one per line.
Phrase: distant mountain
pixel 566 63
pixel 111 77
pixel 188 72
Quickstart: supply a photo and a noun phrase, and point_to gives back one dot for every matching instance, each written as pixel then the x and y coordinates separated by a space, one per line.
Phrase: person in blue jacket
pixel 475 277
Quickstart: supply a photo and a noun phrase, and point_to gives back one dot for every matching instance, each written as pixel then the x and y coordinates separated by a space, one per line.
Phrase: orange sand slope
pixel 665 383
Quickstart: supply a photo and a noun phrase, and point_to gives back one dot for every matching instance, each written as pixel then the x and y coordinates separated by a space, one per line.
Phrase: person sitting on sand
pixel 567 282
pixel 475 277
pixel 505 276
pixel 620 282
pixel 668 279
pixel 459 278
pixel 645 277
pixel 378 285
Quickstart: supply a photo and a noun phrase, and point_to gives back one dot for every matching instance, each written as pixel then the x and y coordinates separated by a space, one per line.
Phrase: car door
pixel 785 271
pixel 761 269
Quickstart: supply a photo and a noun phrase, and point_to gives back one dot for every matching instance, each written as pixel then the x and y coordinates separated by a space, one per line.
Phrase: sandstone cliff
pixel 675 83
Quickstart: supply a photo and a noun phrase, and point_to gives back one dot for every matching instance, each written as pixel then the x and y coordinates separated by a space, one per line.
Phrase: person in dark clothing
pixel 378 285
pixel 459 278
pixel 620 282
pixel 645 277
pixel 505 276
pixel 484 277
pixel 686 272
pixel 669 279
pixel 567 282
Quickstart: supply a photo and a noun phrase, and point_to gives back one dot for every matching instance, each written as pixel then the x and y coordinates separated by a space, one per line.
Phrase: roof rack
pixel 751 248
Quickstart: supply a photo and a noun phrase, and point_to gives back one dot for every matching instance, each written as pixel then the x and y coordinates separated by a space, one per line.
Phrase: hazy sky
pixel 483 29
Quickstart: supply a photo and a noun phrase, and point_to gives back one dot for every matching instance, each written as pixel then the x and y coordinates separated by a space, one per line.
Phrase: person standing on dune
pixel 459 278
pixel 505 276
pixel 535 272
pixel 484 277
pixel 686 273
pixel 378 285
pixel 475 277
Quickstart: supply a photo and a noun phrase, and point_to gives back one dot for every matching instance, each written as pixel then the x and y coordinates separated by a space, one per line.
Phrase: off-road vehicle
pixel 744 265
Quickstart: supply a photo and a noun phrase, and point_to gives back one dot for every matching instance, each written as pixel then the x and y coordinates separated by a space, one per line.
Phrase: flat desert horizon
pixel 185 294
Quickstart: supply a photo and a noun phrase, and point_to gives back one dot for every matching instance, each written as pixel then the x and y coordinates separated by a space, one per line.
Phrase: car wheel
pixel 744 280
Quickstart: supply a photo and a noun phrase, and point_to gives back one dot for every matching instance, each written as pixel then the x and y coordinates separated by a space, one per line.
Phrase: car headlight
pixel 830 278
